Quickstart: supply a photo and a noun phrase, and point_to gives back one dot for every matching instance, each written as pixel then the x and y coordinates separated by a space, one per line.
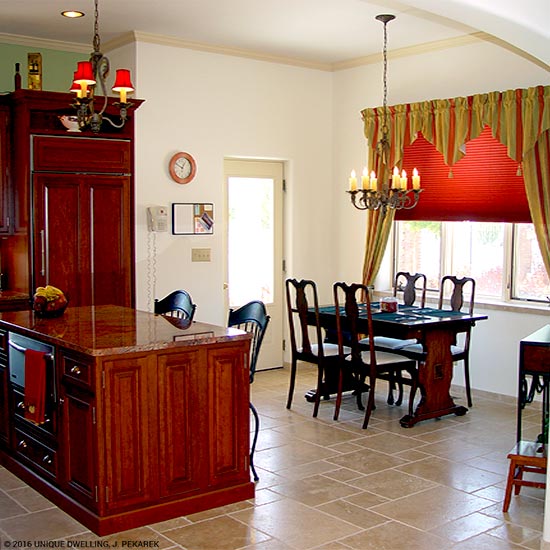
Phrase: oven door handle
pixel 17 347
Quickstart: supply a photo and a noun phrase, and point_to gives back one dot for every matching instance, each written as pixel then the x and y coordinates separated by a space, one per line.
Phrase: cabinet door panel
pixel 62 247
pixel 100 156
pixel 111 242
pixel 182 413
pixel 80 451
pixel 229 414
pixel 128 417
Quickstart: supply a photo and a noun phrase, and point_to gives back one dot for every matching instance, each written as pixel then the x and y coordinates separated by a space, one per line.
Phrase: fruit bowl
pixel 49 302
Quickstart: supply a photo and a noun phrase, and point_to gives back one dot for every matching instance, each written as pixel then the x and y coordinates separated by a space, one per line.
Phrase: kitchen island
pixel 146 416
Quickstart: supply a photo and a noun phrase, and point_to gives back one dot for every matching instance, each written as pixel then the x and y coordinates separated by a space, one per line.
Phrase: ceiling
pixel 323 33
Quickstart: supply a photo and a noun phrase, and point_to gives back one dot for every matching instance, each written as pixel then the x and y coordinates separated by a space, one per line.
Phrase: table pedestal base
pixel 408 421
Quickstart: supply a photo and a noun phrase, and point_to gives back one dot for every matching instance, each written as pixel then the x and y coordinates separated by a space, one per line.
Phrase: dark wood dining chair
pixel 177 304
pixel 407 285
pixel 364 363
pixel 252 318
pixel 459 292
pixel 302 301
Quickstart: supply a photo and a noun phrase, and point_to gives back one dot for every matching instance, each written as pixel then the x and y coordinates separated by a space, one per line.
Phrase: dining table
pixel 435 329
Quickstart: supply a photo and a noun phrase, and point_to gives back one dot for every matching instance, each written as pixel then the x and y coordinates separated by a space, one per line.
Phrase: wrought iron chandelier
pixel 394 193
pixel 91 73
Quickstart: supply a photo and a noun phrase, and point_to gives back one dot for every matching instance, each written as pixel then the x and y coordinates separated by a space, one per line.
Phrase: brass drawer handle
pixel 22 444
pixel 47 459
pixel 76 370
pixel 21 405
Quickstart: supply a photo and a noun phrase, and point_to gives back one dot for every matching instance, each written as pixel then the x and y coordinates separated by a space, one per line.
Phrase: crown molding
pixel 223 50
pixel 427 47
pixel 138 36
pixel 20 40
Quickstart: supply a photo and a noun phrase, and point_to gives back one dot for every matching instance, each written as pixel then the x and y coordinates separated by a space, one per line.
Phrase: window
pixel 503 258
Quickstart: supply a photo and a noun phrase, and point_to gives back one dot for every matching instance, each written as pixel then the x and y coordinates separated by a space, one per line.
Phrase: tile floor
pixel 331 485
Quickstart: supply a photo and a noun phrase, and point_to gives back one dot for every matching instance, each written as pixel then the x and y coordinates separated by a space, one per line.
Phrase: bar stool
pixel 526 456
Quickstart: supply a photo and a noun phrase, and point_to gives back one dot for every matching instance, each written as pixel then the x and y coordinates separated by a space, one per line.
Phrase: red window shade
pixel 484 187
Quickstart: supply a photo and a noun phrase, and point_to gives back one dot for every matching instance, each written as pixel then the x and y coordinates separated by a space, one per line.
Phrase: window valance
pixel 519 119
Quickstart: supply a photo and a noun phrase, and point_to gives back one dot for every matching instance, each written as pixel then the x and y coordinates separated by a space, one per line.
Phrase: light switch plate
pixel 200 254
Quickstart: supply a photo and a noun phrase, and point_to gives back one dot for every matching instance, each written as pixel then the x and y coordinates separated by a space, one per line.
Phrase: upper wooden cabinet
pixel 67 194
pixel 4 169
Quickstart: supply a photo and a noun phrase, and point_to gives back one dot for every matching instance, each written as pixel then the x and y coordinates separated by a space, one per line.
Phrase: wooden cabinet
pixel 70 204
pixel 4 410
pixel 5 202
pixel 83 221
pixel 78 438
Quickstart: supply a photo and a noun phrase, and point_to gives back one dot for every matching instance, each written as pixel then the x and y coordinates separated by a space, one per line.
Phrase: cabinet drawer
pixel 77 371
pixel 69 154
pixel 535 359
pixel 41 456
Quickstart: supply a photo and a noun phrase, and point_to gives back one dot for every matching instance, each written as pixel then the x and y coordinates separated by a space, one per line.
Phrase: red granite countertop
pixel 113 330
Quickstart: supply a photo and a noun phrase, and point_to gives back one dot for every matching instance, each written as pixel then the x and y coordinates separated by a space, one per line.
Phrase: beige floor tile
pixel 453 474
pixel 366 461
pixel 467 527
pixel 353 514
pixel 392 535
pixel 486 542
pixel 315 490
pixel 220 533
pixel 44 525
pixel 392 484
pixel 514 533
pixel 30 499
pixel 287 520
pixel 9 507
pixel 431 508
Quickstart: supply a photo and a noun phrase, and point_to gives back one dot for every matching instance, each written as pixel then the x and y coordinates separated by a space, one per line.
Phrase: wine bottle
pixel 17 78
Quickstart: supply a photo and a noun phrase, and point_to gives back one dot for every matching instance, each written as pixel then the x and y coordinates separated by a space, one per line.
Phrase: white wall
pixel 215 106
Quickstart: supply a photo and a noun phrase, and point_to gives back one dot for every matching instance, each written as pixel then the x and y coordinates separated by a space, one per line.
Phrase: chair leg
pixel 467 380
pixel 399 379
pixel 391 389
pixel 509 483
pixel 339 392
pixel 320 372
pixel 254 440
pixel 370 403
pixel 292 382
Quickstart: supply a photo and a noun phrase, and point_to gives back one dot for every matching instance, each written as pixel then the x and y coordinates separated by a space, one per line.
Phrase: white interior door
pixel 254 236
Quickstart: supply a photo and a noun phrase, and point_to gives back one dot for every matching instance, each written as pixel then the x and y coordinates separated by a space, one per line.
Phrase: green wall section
pixel 57 67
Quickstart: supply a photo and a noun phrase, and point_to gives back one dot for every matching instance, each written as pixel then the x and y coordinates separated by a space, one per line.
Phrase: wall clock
pixel 182 167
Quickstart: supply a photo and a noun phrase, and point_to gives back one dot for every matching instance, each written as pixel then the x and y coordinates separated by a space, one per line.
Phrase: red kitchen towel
pixel 35 386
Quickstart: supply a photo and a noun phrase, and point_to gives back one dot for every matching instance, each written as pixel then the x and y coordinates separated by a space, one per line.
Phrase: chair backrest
pixel 301 301
pixel 347 299
pixel 253 318
pixel 177 304
pixel 407 283
pixel 456 289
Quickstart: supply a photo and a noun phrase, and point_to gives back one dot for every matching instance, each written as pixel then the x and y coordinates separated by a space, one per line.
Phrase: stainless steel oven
pixel 17 346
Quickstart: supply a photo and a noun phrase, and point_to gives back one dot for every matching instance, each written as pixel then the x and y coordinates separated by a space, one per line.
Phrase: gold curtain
pixel 519 119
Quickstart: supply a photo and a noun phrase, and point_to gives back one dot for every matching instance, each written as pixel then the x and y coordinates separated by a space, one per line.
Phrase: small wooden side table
pixel 531 456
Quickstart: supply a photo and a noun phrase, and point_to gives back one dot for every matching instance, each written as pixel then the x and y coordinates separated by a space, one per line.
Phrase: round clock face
pixel 182 167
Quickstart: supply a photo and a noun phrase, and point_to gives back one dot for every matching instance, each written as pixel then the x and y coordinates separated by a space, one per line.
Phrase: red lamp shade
pixel 123 81
pixel 84 73
pixel 75 87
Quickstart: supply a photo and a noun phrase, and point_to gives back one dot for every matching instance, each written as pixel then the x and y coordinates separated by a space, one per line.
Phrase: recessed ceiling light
pixel 72 14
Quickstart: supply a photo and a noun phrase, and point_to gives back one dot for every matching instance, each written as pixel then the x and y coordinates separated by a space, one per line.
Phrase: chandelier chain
pixel 97 42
